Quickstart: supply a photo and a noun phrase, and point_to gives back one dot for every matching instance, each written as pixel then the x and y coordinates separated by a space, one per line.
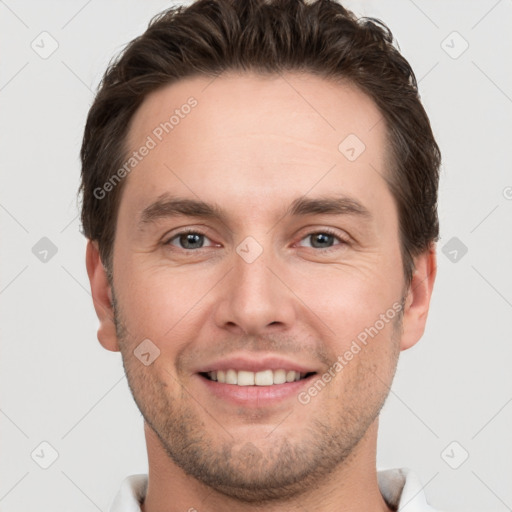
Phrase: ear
pixel 102 297
pixel 418 298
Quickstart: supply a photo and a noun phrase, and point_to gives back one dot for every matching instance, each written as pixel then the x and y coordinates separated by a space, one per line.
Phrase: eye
pixel 193 240
pixel 189 240
pixel 323 239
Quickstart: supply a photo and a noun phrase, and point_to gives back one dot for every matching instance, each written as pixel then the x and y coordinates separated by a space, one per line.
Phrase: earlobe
pixel 102 297
pixel 418 298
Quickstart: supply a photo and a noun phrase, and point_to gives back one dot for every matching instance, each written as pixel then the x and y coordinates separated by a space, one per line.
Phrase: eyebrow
pixel 168 206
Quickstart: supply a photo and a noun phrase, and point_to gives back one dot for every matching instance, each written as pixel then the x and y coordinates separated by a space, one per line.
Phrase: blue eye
pixel 323 239
pixel 191 240
pixel 188 240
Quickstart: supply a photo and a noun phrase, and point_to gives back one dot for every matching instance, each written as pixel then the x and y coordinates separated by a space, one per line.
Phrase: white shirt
pixel 400 488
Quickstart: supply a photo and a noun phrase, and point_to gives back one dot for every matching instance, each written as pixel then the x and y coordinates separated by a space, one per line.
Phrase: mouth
pixel 247 381
pixel 267 377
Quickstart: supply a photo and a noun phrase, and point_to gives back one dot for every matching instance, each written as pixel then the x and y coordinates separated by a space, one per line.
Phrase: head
pixel 288 139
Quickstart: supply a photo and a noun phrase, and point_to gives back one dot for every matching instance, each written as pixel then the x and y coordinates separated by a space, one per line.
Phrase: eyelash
pixel 326 231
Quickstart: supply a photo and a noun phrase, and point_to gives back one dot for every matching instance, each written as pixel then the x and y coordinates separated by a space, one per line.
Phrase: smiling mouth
pixel 261 378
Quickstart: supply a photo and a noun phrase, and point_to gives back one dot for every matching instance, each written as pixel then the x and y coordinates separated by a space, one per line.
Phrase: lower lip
pixel 255 396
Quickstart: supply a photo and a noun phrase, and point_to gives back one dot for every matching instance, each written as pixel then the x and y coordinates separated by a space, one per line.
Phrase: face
pixel 257 249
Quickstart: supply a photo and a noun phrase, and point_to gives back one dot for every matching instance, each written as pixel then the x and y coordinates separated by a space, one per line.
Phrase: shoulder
pixel 130 494
pixel 401 488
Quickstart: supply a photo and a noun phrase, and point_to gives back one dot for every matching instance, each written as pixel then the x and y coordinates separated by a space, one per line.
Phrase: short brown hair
pixel 321 37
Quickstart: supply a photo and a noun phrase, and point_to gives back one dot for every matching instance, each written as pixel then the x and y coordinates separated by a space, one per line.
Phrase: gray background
pixel 57 385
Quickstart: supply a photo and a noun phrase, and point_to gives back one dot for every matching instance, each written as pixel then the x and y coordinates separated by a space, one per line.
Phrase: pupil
pixel 190 239
pixel 322 238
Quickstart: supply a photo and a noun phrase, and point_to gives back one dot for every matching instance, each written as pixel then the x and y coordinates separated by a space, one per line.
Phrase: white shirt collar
pixel 399 487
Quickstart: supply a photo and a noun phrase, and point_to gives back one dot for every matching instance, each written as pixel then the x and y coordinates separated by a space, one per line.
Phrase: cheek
pixel 161 303
pixel 360 315
pixel 363 368
pixel 349 299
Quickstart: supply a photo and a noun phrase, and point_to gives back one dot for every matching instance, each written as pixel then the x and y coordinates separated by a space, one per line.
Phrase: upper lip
pixel 253 364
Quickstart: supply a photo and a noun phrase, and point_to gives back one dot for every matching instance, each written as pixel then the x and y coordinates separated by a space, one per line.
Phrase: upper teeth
pixel 263 378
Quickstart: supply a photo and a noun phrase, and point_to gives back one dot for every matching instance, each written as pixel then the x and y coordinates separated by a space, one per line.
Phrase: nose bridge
pixel 254 297
pixel 251 271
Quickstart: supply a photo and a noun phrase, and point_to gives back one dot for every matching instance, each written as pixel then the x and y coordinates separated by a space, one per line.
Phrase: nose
pixel 256 298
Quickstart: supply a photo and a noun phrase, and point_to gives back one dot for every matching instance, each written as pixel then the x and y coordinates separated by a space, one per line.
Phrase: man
pixel 259 193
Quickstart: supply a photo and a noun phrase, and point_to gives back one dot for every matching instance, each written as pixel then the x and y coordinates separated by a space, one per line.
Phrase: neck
pixel 351 487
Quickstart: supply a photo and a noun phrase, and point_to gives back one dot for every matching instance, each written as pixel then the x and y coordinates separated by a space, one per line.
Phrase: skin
pixel 252 146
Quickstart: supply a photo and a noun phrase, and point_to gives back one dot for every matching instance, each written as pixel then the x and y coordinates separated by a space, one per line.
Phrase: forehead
pixel 309 107
pixel 248 138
